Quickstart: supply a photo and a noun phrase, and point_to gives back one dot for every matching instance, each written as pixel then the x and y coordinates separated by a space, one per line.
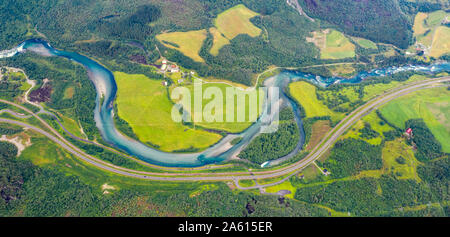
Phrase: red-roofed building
pixel 408 132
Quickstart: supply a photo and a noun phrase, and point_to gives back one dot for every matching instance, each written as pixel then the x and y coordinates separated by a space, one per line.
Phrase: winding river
pixel 106 88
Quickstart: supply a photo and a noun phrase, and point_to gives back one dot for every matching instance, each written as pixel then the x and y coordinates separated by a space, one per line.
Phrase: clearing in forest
pixel 365 43
pixel 188 43
pixel 333 44
pixel 231 23
pixel 236 21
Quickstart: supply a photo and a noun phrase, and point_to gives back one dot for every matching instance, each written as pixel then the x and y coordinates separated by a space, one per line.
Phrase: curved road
pixel 290 170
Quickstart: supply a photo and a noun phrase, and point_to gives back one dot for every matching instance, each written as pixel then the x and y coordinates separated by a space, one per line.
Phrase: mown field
pixel 429 31
pixel 236 21
pixel 218 41
pixel 228 24
pixel 432 105
pixel 145 105
pixel 189 43
pixel 231 23
pixel 333 44
pixel 305 94
pixel 222 113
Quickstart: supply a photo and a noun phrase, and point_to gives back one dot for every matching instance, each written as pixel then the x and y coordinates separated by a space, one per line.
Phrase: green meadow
pixel 144 103
pixel 376 124
pixel 232 127
pixel 429 32
pixel 432 105
pixel 337 46
pixel 365 43
pixel 305 94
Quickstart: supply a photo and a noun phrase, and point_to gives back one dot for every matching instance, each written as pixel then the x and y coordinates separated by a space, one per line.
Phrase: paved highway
pixel 290 170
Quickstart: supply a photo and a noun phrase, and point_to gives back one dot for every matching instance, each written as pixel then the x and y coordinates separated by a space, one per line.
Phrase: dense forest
pixel 379 21
pixel 27 190
pixel 350 156
pixel 271 146
pixel 428 147
pixel 360 197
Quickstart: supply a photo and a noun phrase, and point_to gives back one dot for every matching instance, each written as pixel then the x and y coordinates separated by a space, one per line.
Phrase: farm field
pixel 343 98
pixel 236 21
pixel 188 43
pixel 218 42
pixel 431 34
pixel 419 21
pixel 318 131
pixel 432 105
pixel 365 43
pixel 441 42
pixel 231 23
pixel 144 104
pixel 305 94
pixel 233 127
pixel 333 44
pixel 228 25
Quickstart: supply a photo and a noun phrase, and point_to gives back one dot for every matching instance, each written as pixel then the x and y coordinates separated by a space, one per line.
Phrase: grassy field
pixel 42 152
pixel 233 127
pixel 305 94
pixel 189 43
pixel 218 42
pixel 236 21
pixel 398 148
pixel 45 153
pixel 203 188
pixel 286 185
pixel 432 105
pixel 429 32
pixel 333 44
pixel 246 182
pixel 231 23
pixel 342 70
pixel 352 95
pixel 370 91
pixel 72 126
pixel 144 104
pixel 419 24
pixel 376 125
pixel 228 25
pixel 319 129
pixel 69 92
pixel 365 43
pixel 441 42
pixel 338 46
